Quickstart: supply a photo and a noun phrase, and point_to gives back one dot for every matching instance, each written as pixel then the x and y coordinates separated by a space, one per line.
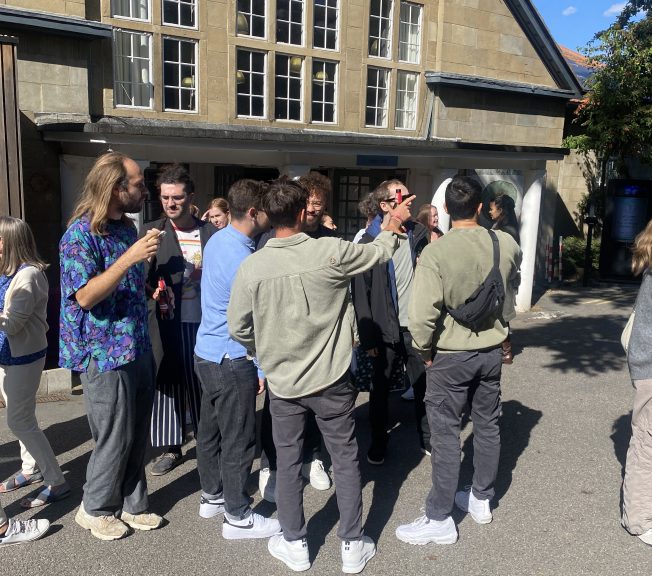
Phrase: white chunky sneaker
pixel 253 526
pixel 267 484
pixel 480 510
pixel 356 554
pixel 20 531
pixel 314 472
pixel 211 507
pixel 294 554
pixel 423 531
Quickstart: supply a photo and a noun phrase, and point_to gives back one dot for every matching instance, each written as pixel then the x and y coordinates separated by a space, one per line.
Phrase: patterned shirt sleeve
pixel 79 261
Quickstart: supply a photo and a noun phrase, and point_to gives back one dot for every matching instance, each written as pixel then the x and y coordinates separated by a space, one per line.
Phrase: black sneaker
pixel 166 463
pixel 376 456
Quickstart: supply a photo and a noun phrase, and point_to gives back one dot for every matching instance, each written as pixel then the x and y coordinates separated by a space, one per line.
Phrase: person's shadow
pixel 621 432
pixel 516 425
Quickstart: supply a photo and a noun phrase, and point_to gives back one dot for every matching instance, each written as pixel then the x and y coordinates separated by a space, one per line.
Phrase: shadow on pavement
pixel 516 425
pixel 588 345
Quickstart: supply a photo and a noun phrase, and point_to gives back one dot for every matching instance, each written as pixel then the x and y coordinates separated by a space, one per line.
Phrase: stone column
pixel 441 180
pixel 529 232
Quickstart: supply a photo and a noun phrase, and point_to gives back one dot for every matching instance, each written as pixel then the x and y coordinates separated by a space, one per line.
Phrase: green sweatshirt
pixel 448 272
pixel 291 308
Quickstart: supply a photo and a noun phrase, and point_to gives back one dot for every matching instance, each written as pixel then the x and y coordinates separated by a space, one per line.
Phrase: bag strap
pixel 496 247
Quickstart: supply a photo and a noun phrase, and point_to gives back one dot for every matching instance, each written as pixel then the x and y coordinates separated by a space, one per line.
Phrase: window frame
pixel 326 8
pixel 390 31
pixel 399 89
pixel 419 26
pixel 289 23
pixel 180 87
pixel 388 75
pixel 249 15
pixel 265 94
pixel 323 103
pixel 116 56
pixel 132 18
pixel 193 3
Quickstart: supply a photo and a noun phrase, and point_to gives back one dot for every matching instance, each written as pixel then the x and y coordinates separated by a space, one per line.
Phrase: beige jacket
pixel 23 319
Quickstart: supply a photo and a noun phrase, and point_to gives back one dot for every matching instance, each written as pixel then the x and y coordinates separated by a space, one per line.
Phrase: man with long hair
pixel 290 306
pixel 104 336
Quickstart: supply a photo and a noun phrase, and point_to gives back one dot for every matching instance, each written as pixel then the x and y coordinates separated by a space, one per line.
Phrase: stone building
pixel 361 90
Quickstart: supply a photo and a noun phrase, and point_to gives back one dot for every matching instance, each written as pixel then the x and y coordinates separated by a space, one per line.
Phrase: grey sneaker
pixel 424 530
pixel 356 554
pixel 253 526
pixel 211 507
pixel 294 554
pixel 102 527
pixel 480 510
pixel 166 463
pixel 20 531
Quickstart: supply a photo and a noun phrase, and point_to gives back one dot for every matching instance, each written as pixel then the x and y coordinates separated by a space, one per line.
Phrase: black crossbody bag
pixel 487 300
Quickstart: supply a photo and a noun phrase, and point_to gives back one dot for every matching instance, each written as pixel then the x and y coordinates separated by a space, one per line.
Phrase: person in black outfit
pixel 380 299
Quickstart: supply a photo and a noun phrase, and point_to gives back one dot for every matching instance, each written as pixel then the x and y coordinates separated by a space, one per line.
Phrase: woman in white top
pixel 23 302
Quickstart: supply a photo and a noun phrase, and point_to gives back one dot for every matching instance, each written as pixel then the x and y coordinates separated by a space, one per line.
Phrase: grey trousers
pixel 450 382
pixel 119 408
pixel 333 409
pixel 637 488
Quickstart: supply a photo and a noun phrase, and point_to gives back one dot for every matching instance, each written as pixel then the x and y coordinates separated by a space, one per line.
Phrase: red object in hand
pixel 399 196
pixel 164 306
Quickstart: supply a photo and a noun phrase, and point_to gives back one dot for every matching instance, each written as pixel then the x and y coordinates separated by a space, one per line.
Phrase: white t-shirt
pixel 190 244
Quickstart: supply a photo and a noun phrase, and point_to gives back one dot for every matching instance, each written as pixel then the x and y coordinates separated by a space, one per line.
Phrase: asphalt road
pixel 565 429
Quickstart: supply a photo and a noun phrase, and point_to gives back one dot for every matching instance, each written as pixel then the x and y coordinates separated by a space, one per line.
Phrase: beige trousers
pixel 637 485
pixel 19 385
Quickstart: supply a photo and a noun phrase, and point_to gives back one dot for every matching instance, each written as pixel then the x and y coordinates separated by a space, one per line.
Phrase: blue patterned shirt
pixel 114 332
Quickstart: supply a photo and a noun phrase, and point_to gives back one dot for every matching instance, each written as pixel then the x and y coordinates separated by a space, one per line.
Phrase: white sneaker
pixel 356 554
pixel 253 526
pixel 20 531
pixel 294 554
pixel 423 531
pixel 267 484
pixel 480 510
pixel 211 507
pixel 315 473
pixel 408 394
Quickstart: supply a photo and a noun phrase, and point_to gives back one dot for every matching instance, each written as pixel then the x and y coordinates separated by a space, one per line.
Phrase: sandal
pixel 47 496
pixel 19 480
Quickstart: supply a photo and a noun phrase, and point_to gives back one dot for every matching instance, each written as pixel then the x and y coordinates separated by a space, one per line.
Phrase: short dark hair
pixel 367 206
pixel 463 196
pixel 284 201
pixel 176 174
pixel 245 194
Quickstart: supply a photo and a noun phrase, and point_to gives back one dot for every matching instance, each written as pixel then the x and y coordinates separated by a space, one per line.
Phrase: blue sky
pixel 574 22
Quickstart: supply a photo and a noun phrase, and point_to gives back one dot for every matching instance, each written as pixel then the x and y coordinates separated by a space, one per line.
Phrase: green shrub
pixel 573 255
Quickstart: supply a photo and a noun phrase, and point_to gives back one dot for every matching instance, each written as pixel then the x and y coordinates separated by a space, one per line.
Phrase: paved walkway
pixel 565 430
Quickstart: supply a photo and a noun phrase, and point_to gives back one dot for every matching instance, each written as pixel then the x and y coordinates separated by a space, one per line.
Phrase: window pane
pixel 324 79
pixel 179 75
pixel 251 18
pixel 132 85
pixel 137 9
pixel 377 91
pixel 406 100
pixel 325 23
pixel 179 12
pixel 250 83
pixel 380 28
pixel 289 21
pixel 409 42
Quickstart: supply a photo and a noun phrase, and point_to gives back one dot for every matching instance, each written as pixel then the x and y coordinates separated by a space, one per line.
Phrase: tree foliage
pixel 616 115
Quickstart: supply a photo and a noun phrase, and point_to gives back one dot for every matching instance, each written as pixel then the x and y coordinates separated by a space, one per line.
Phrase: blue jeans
pixel 452 380
pixel 226 436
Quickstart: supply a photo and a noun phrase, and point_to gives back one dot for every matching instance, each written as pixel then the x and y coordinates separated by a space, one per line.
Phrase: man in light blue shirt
pixel 226 438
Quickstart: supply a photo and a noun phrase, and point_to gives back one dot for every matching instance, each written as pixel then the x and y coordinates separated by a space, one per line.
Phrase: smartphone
pixel 399 195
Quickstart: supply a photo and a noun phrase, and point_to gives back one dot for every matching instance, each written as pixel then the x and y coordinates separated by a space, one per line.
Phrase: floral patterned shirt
pixel 114 332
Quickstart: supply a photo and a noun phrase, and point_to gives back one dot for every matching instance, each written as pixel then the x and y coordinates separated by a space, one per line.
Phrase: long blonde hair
pixel 642 250
pixel 108 172
pixel 18 246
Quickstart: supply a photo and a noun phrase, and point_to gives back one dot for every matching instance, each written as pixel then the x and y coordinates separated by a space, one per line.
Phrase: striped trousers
pixel 177 391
